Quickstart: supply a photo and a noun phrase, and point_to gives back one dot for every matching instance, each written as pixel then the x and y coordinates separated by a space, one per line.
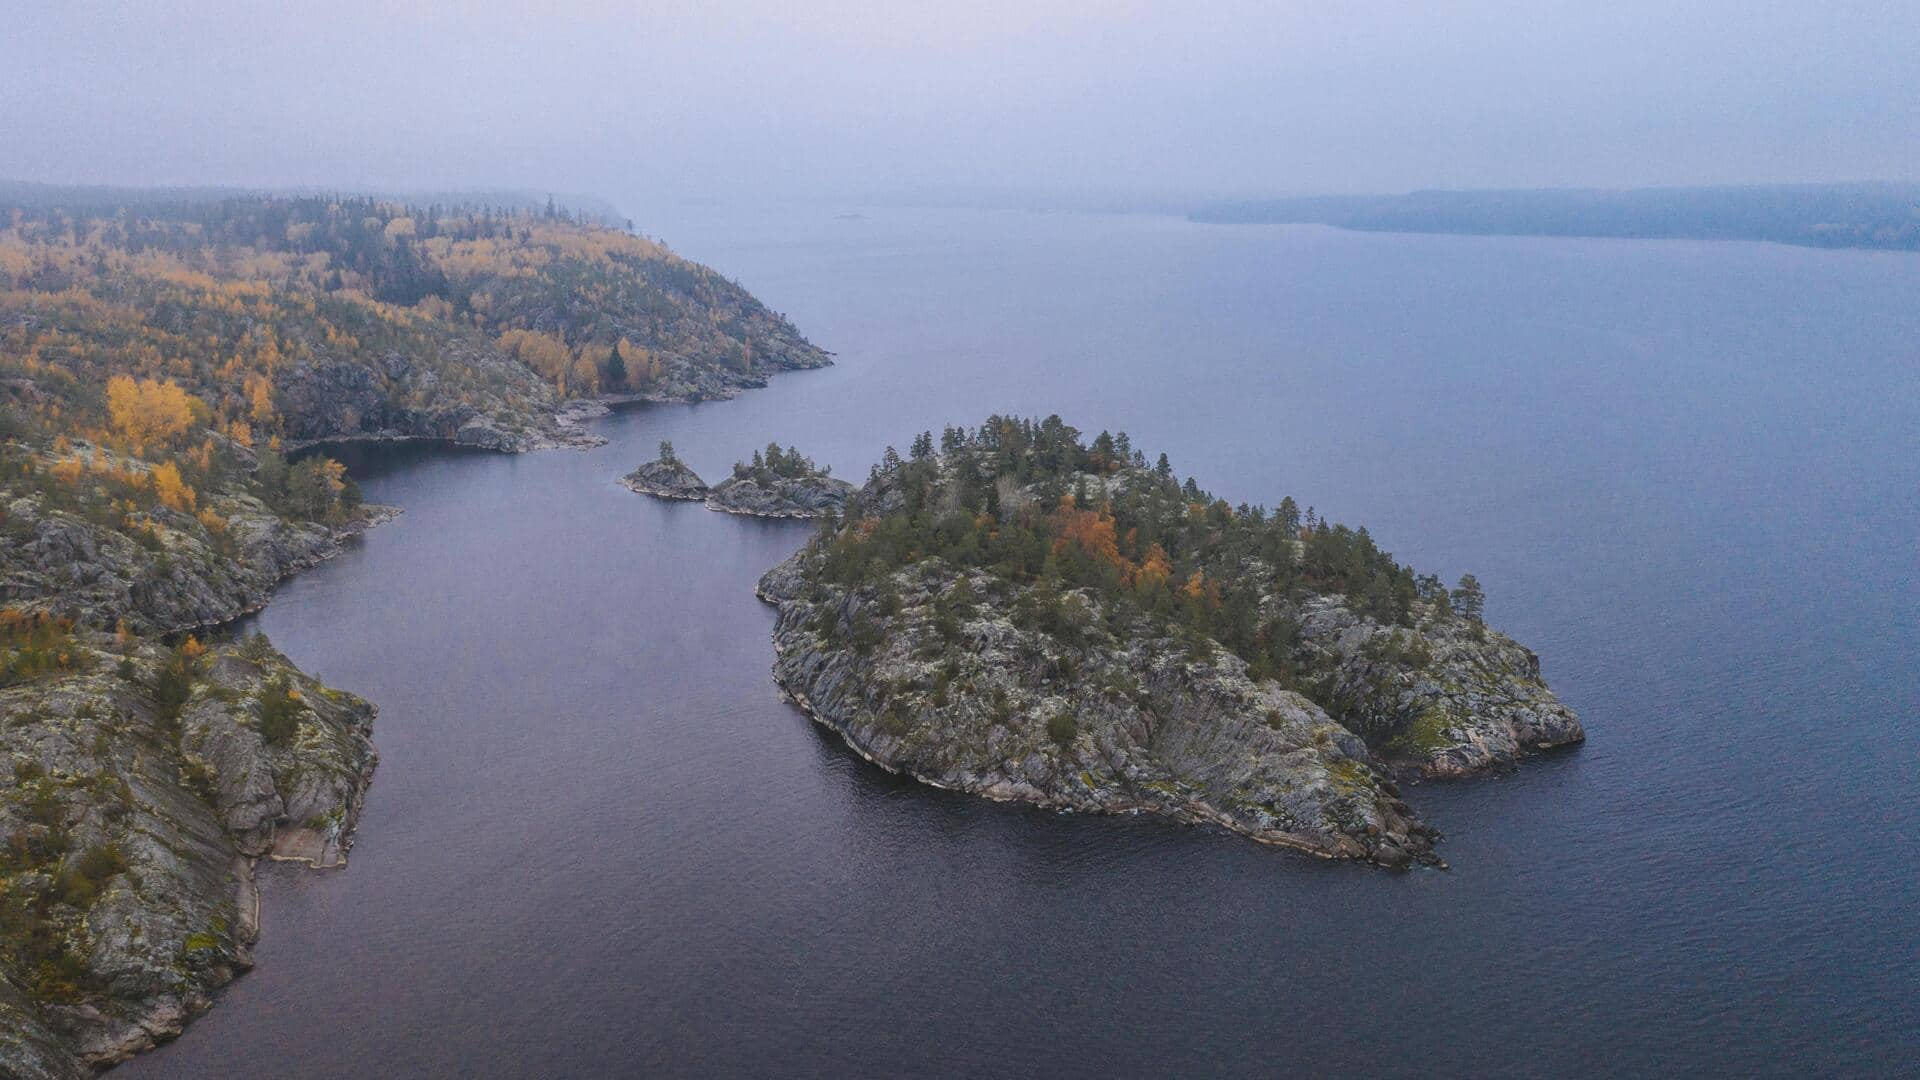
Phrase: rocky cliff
pixel 142 783
pixel 1444 697
pixel 142 779
pixel 172 571
pixel 1115 717
pixel 311 319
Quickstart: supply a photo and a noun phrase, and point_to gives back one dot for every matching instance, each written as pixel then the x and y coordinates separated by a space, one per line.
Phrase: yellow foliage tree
pixel 584 378
pixel 149 411
pixel 259 399
pixel 170 488
pixel 544 353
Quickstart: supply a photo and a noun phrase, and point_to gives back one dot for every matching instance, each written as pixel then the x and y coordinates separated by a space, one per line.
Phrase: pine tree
pixel 1469 600
pixel 1103 449
pixel 1288 516
pixel 616 369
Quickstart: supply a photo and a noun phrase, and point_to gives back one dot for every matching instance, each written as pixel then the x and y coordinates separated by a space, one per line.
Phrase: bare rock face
pixel 457 387
pixel 186 577
pixel 1111 717
pixel 1446 697
pixel 129 887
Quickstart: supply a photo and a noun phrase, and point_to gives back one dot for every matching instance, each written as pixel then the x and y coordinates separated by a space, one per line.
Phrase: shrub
pixel 100 862
pixel 280 709
pixel 1063 729
pixel 32 645
pixel 175 683
pixel 866 633
pixel 256 647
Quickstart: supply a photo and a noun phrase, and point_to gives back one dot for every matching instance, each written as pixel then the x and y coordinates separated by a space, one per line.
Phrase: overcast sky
pixel 842 98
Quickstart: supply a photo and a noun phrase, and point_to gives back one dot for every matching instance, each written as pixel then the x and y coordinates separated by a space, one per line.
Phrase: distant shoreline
pixel 1884 217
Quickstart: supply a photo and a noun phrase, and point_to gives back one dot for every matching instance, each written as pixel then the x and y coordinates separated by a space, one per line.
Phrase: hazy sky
pixel 846 97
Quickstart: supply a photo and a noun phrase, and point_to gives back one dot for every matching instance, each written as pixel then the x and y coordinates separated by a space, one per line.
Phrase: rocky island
pixel 667 477
pixel 1025 615
pixel 777 483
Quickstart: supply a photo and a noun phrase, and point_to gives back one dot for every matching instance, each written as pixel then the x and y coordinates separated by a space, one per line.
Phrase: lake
pixel 600 842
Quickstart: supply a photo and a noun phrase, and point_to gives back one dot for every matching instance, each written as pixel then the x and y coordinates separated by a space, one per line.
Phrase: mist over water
pixel 1086 100
pixel 599 841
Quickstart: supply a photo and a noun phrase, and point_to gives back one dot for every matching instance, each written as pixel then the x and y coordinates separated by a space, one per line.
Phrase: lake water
pixel 600 843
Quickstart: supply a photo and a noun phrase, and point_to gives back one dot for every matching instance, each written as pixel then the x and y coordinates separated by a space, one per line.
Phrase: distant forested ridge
pixel 152 200
pixel 1812 215
pixel 320 317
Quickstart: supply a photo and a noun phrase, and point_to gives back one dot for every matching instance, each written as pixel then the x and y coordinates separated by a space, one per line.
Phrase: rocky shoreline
pixel 147 493
pixel 667 478
pixel 154 832
pixel 548 425
pixel 1193 741
pixel 297 803
pixel 188 577
pixel 790 498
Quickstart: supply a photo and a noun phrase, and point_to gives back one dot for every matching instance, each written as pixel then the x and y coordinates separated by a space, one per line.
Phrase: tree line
pixel 1037 504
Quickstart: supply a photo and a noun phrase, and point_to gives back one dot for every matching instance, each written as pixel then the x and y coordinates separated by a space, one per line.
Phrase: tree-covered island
pixel 1026 614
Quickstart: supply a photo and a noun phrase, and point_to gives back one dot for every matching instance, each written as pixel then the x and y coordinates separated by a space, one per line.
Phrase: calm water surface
pixel 600 843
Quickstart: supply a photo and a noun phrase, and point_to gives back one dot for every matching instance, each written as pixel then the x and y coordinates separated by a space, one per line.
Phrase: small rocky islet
pixel 1027 616
pixel 776 483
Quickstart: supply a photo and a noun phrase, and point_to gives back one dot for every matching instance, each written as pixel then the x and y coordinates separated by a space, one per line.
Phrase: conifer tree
pixel 1469 600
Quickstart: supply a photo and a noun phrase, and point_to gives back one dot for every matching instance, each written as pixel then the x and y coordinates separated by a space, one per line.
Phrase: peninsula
pixel 166 365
